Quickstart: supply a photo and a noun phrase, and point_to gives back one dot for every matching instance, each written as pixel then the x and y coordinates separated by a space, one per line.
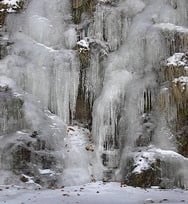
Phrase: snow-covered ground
pixel 92 193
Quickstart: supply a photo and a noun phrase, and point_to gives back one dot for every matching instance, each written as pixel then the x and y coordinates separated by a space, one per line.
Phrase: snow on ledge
pixel 177 60
pixel 171 27
pixel 144 159
pixel 183 80
pixel 83 43
pixel 46 171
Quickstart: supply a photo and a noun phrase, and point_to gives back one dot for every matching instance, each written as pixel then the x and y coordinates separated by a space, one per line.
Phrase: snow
pixel 104 1
pixel 29 178
pixel 84 44
pixel 12 5
pixel 92 193
pixel 46 171
pixel 11 2
pixel 144 159
pixel 183 80
pixel 177 60
pixel 172 27
pixel 168 153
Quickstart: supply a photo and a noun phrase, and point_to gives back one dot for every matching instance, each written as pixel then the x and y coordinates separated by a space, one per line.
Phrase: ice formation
pixel 104 70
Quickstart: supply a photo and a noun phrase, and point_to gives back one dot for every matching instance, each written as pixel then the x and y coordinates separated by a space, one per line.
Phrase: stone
pixel 24 179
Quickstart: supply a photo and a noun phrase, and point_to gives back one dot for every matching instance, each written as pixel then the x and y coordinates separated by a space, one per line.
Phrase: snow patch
pixel 46 171
pixel 144 159
pixel 183 80
pixel 177 60
pixel 83 43
pixel 171 27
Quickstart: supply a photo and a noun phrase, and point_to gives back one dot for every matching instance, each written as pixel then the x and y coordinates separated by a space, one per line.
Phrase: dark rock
pixel 83 110
pixel 24 179
pixel 148 201
pixel 163 200
pixel 182 140
pixel 146 178
pixel 65 194
pixel 34 134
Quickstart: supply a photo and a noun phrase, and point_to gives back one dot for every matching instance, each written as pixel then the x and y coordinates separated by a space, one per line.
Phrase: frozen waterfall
pixel 99 66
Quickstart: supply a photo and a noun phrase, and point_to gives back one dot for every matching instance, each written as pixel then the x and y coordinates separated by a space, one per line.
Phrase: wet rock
pixel 83 109
pixel 182 140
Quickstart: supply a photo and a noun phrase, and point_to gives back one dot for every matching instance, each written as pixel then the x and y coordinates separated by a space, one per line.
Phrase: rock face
pixel 116 67
pixel 11 114
pixel 150 167
pixel 175 74
pixel 173 94
pixel 24 151
pixel 81 6
pixel 9 7
pixel 26 156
